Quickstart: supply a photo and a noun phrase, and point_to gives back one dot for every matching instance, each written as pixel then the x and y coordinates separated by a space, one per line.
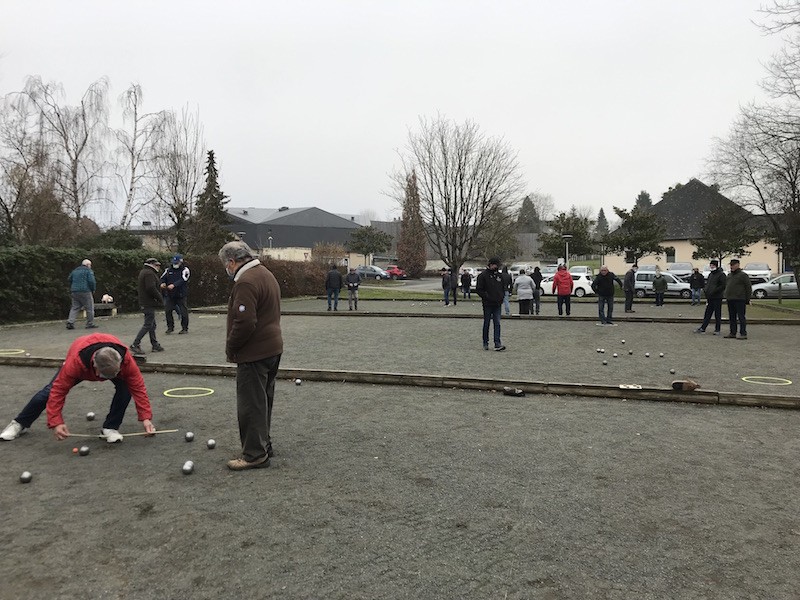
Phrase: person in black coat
pixel 697 282
pixel 603 285
pixel 333 283
pixel 491 289
pixel 466 285
pixel 537 289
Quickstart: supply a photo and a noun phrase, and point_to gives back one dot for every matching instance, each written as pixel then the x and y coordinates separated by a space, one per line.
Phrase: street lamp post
pixel 270 242
pixel 566 237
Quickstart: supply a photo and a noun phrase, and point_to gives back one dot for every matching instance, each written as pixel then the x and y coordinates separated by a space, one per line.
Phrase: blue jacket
pixel 82 280
pixel 179 278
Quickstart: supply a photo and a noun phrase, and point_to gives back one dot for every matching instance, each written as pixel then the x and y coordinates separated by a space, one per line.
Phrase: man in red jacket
pixel 562 287
pixel 95 357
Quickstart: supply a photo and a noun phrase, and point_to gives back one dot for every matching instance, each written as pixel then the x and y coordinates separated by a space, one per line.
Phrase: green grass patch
pixel 393 293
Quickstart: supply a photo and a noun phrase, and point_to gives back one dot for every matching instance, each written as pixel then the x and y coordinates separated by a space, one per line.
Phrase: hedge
pixel 35 288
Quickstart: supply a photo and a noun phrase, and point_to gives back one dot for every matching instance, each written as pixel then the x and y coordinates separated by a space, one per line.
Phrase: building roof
pixel 684 208
pixel 307 216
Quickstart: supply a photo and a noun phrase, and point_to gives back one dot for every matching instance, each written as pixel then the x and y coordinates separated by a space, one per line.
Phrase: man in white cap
pixel 149 299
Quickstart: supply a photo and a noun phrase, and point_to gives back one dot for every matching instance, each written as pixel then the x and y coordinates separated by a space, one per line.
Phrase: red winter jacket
pixel 562 283
pixel 78 367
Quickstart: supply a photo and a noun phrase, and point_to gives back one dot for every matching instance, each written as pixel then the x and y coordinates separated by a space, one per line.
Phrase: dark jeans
pixel 179 306
pixel 525 307
pixel 446 296
pixel 491 312
pixel 696 296
pixel 333 294
pixel 602 303
pixel 713 307
pixel 454 293
pixel 629 300
pixel 255 392
pixel 466 292
pixel 149 327
pixel 736 312
pixel 537 300
pixel 37 404
pixel 562 302
pixel 659 298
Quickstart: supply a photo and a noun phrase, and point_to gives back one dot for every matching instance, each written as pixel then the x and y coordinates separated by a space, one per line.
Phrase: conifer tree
pixel 411 243
pixel 206 232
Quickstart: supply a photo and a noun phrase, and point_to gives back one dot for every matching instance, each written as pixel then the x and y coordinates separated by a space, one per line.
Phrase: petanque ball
pixel 630 352
pixel 25 477
pixel 189 437
pixel 188 467
pixel 90 416
pixel 298 381
pixel 615 355
pixel 647 355
pixel 672 371
pixel 661 355
pixel 84 450
pixel 605 362
pixel 211 444
pixel 623 341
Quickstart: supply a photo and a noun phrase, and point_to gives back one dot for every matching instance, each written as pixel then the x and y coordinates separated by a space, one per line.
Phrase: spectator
pixel 738 290
pixel 446 285
pixel 490 288
pixel 507 283
pixel 149 299
pixel 333 283
pixel 466 284
pixel 175 286
pixel 629 287
pixel 696 282
pixel 353 280
pixel 562 287
pixel 82 285
pixel 453 286
pixel 659 287
pixel 715 289
pixel 603 285
pixel 537 289
pixel 524 287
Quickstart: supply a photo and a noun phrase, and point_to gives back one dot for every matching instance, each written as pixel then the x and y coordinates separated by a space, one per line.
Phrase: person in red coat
pixel 96 357
pixel 562 287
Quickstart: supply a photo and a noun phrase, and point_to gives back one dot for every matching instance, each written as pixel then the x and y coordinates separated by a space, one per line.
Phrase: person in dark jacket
pixel 659 287
pixel 82 285
pixel 175 286
pixel 353 280
pixel 629 287
pixel 149 299
pixel 508 284
pixel 714 290
pixel 603 286
pixel 738 290
pixel 466 285
pixel 333 283
pixel 453 286
pixel 696 282
pixel 254 342
pixel 491 290
pixel 537 289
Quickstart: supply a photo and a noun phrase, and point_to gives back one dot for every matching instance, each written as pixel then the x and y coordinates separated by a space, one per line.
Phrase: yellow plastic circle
pixel 760 380
pixel 203 391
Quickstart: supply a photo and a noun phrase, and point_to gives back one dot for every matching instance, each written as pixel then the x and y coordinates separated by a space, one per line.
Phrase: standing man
pixel 629 287
pixel 149 299
pixel 254 342
pixel 603 285
pixel 453 285
pixel 737 290
pixel 508 283
pixel 175 285
pixel 491 290
pixel 715 290
pixel 659 287
pixel 353 281
pixel 446 285
pixel 466 285
pixel 82 285
pixel 333 283
pixel 562 287
pixel 95 357
pixel 696 282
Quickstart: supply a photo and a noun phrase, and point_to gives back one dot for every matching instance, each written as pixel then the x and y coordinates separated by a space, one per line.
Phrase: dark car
pixel 372 272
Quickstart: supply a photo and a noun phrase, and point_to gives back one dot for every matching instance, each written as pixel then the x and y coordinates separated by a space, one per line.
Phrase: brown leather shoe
pixel 240 464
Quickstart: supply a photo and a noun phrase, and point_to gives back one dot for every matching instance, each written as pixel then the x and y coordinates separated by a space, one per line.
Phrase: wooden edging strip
pixel 584 390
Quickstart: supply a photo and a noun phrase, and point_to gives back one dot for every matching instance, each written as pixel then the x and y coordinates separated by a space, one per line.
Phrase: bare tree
pixel 76 135
pixel 465 181
pixel 178 169
pixel 138 151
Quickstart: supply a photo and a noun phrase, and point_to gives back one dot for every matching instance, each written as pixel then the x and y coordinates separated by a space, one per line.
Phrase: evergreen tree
pixel 206 234
pixel 528 219
pixel 411 243
pixel 724 233
pixel 639 234
pixel 369 240
pixel 643 200
pixel 571 223
pixel 601 228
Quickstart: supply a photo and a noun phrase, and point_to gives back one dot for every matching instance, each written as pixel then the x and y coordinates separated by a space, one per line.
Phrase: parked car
pixel 675 287
pixel 395 272
pixel 582 285
pixel 758 272
pixel 372 272
pixel 548 270
pixel 788 287
pixel 516 267
pixel 681 270
pixel 588 271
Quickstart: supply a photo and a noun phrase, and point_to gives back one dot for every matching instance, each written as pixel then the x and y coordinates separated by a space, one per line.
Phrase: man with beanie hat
pixel 175 285
pixel 737 292
pixel 491 290
pixel 714 290
pixel 149 299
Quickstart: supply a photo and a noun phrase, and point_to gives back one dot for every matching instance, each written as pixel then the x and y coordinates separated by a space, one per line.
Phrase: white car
pixel 514 269
pixel 581 269
pixel 582 285
pixel 758 271
pixel 788 287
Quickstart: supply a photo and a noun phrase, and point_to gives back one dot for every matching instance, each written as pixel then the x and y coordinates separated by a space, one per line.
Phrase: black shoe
pixel 168 331
pixel 699 330
pixel 158 348
pixel 329 309
pixel 499 348
pixel 92 326
pixel 70 326
pixel 270 452
pixel 183 331
pixel 136 349
pixel 730 336
pixel 486 346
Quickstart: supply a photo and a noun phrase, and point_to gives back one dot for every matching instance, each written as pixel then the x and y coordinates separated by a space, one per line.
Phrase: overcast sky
pixel 306 103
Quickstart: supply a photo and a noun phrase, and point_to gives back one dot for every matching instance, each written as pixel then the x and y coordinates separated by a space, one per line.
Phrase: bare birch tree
pixel 468 184
pixel 179 169
pixel 137 147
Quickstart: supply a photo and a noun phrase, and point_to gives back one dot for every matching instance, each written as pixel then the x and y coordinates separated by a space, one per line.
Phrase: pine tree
pixel 601 228
pixel 411 243
pixel 206 231
pixel 644 201
pixel 528 220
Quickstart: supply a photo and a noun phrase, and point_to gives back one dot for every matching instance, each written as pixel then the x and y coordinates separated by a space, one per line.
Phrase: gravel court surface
pixel 393 492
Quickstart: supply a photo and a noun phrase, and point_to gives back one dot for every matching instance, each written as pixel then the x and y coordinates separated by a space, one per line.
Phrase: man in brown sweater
pixel 254 342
